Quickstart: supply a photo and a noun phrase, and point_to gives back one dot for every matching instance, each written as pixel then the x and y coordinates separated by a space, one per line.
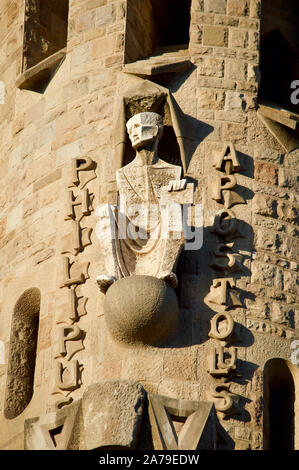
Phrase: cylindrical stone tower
pixel 224 77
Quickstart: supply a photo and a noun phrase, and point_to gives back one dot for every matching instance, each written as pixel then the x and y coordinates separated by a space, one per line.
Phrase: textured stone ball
pixel 141 310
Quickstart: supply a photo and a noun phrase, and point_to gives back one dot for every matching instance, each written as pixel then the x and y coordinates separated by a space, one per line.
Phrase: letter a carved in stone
pixel 227 160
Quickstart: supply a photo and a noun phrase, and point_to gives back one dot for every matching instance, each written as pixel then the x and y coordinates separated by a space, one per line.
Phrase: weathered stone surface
pixel 141 310
pixel 215 36
pixel 214 75
pixel 265 172
pixel 197 432
pixel 238 7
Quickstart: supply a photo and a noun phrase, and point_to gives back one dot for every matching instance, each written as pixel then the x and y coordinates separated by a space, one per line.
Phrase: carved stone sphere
pixel 141 310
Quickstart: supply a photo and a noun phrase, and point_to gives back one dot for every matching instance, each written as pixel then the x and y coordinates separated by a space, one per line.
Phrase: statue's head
pixel 144 128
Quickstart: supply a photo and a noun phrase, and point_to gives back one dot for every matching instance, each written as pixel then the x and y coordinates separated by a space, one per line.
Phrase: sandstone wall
pixel 45 30
pixel 75 118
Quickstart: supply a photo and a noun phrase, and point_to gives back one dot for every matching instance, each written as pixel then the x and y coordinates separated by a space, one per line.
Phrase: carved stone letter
pixel 67 378
pixel 227 161
pixel 73 309
pixel 224 261
pixel 218 366
pixel 225 401
pixel 225 223
pixel 83 200
pixel 222 334
pixel 79 165
pixel 74 335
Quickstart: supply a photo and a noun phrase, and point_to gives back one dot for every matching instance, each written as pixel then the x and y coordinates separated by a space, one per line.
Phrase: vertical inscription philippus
pixel 69 335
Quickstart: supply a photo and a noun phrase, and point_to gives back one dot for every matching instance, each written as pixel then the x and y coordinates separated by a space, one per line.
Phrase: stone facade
pixel 57 147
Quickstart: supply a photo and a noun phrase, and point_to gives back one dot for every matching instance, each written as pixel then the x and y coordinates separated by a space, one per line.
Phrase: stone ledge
pixel 283 116
pixel 35 77
pixel 165 61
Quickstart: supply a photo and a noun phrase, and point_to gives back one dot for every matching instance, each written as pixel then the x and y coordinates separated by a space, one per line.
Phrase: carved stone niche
pixel 108 416
pixel 141 239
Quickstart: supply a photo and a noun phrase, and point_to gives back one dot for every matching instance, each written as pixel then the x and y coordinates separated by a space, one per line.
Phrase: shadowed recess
pixel 279 396
pixel 22 353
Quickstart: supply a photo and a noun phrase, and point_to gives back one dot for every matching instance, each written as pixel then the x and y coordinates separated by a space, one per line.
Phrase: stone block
pixel 14 218
pixel 215 36
pixel 76 89
pixel 254 40
pixel 264 205
pixel 81 55
pixel 90 4
pixel 54 176
pixel 288 179
pixel 233 131
pixel 210 98
pixel 44 256
pixel 266 173
pixel 211 67
pixel 103 47
pixel 234 100
pixel 215 6
pixel 282 314
pixel 105 15
pixel 238 7
pixel 115 60
pixel 86 22
pixel 266 240
pixel 287 212
pixel 235 69
pixel 68 151
pixel 291 282
pixel 292 159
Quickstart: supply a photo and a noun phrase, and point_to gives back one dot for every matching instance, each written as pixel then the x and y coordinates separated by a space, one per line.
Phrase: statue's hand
pixel 177 185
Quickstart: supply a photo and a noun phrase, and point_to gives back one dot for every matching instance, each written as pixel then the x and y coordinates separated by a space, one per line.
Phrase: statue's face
pixel 143 129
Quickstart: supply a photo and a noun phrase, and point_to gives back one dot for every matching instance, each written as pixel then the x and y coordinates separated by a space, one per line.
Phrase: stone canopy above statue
pixel 150 97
